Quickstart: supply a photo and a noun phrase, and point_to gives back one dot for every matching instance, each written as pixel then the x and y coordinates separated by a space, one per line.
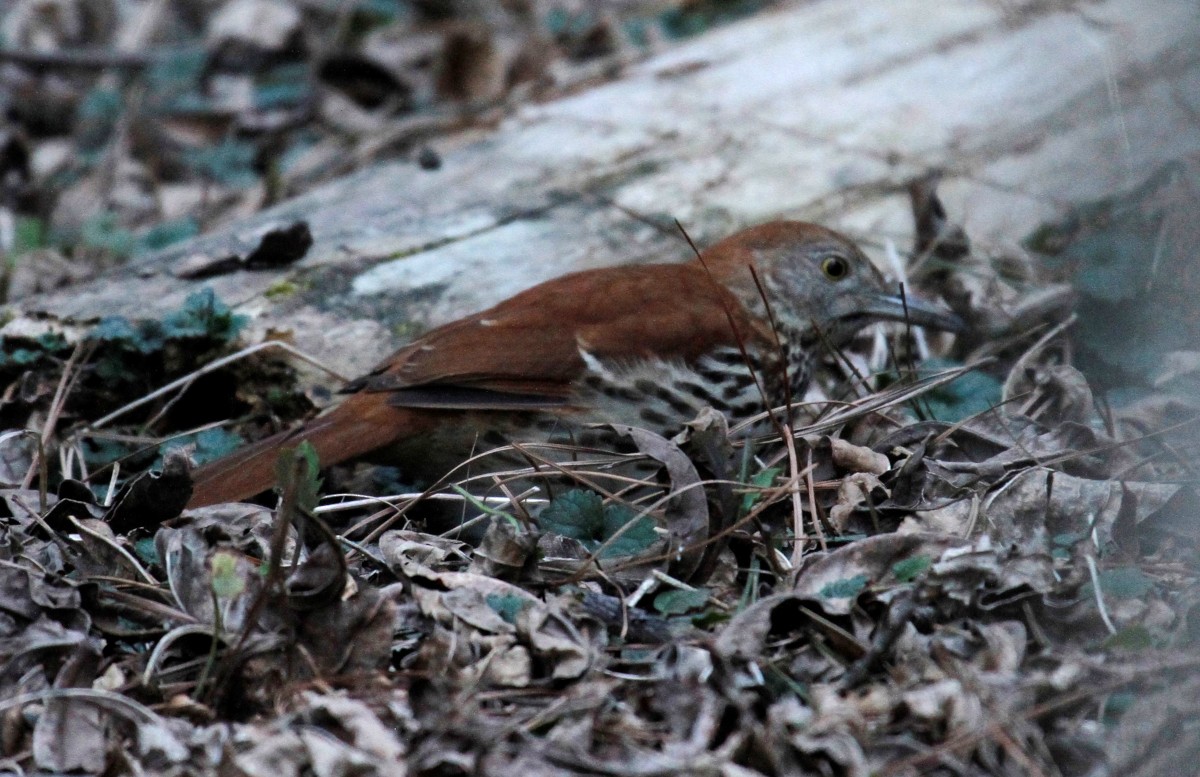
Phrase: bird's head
pixel 815 276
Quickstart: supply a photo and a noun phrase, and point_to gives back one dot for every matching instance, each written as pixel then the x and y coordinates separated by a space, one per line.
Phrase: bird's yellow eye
pixel 835 268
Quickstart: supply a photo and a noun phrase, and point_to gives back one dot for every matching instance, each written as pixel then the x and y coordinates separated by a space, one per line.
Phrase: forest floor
pixel 978 559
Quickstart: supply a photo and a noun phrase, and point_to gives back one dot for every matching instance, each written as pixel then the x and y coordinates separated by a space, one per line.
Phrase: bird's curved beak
pixel 914 310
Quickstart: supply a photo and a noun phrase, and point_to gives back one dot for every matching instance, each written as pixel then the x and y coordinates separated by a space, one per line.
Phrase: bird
pixel 739 328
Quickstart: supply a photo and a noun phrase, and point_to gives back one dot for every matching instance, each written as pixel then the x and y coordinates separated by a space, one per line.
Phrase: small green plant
pixel 207 445
pixel 582 515
pixel 910 568
pixel 202 317
pixel 680 601
pixel 507 606
pixel 305 479
pixel 844 589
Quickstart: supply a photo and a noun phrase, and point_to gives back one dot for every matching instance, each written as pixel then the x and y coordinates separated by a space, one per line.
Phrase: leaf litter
pixel 996 595
pixel 986 566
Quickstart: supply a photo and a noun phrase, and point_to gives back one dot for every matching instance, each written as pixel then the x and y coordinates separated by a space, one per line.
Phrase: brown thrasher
pixel 647 346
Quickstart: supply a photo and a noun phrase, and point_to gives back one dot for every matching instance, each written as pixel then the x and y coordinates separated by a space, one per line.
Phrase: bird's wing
pixel 528 352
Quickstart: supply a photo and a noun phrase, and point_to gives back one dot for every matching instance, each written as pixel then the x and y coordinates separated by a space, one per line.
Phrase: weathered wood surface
pixel 817 110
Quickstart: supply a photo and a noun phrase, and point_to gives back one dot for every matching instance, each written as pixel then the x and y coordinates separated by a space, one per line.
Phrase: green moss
pixel 282 290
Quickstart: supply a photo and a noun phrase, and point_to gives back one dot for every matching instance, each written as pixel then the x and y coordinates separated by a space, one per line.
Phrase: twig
pixel 738 337
pixel 812 502
pixel 109 700
pixel 94 58
pixel 187 380
pixel 1095 573
pixel 115 547
pixel 362 500
pixel 65 384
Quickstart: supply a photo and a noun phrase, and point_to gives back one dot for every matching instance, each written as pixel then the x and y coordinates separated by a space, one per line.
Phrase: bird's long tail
pixel 360 424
